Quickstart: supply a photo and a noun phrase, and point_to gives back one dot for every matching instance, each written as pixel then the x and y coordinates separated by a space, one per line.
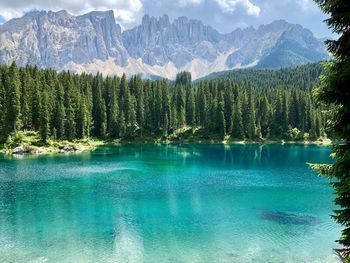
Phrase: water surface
pixel 150 203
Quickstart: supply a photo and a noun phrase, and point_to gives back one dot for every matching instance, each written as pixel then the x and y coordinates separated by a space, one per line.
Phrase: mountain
pixel 50 39
pixel 94 42
pixel 293 48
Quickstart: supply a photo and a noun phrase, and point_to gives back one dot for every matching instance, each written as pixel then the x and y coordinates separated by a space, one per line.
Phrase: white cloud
pixel 125 11
pixel 183 3
pixel 303 4
pixel 229 6
pixel 8 13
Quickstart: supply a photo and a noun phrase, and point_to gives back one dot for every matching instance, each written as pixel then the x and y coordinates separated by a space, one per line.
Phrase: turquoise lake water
pixel 150 203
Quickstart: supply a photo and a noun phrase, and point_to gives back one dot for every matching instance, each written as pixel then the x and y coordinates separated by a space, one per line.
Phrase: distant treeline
pixel 70 106
pixel 303 77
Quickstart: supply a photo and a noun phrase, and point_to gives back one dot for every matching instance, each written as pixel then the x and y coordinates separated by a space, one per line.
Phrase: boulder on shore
pixel 20 150
pixel 68 149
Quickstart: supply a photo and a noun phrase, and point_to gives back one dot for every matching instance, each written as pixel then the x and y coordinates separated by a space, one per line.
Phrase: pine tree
pixel 59 115
pixel 285 116
pixel 2 107
pixel 36 104
pixel 183 79
pixel 293 109
pixel 12 88
pixel 229 106
pixel 221 118
pixel 190 107
pixel 166 107
pixel 202 106
pixel 212 118
pixel 125 99
pixel 59 120
pixel 44 118
pixel 265 114
pixel 81 120
pixel 26 83
pixel 121 124
pixel 277 124
pixel 112 108
pixel 132 116
pixel 237 128
pixel 180 105
pixel 250 128
pixel 103 127
pixel 140 112
pixel 86 90
pixel 334 91
pixel 157 107
pixel 99 109
pixel 70 125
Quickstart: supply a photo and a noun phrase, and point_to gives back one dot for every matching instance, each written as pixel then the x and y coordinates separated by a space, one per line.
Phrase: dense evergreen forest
pixel 304 77
pixel 70 106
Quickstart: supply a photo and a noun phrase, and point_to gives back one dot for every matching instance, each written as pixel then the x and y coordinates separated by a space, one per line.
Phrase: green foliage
pixel 14 140
pixel 67 106
pixel 2 106
pixel 44 118
pixel 295 134
pixel 334 90
pixel 237 129
pixel 183 79
pixel 304 77
pixel 12 102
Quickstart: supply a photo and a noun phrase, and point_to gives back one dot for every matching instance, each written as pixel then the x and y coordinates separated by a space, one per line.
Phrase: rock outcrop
pixel 53 39
pixel 20 150
pixel 68 149
pixel 94 42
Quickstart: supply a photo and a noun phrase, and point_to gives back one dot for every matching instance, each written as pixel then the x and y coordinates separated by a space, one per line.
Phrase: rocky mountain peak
pixel 97 16
pixel 95 42
pixel 164 21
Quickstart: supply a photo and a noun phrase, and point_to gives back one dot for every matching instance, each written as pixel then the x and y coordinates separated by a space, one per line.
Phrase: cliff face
pixel 157 41
pixel 94 42
pixel 51 39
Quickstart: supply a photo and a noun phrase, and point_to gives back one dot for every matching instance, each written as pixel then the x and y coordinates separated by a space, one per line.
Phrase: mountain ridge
pixel 94 42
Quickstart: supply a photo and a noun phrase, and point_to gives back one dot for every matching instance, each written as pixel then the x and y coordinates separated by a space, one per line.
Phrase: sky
pixel 223 15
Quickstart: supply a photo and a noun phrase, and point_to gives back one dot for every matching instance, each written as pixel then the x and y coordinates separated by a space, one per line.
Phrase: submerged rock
pixel 231 255
pixel 20 150
pixel 287 218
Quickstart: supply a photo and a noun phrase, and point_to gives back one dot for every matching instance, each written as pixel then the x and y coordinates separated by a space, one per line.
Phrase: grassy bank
pixel 30 141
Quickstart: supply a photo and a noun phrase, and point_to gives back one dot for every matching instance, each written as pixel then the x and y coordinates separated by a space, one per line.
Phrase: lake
pixel 158 203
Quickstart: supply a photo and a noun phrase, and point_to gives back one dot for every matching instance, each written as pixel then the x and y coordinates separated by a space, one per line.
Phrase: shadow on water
pixel 286 218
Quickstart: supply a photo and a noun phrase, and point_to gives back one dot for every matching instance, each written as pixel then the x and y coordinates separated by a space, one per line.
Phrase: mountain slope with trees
pixel 304 77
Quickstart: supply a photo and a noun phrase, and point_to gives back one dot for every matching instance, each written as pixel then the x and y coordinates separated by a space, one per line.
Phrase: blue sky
pixel 224 15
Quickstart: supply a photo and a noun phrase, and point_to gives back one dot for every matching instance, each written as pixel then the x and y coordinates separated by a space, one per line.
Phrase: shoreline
pixel 76 147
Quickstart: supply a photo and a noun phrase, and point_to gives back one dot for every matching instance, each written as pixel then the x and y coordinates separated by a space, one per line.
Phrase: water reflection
pixel 128 244
pixel 144 203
